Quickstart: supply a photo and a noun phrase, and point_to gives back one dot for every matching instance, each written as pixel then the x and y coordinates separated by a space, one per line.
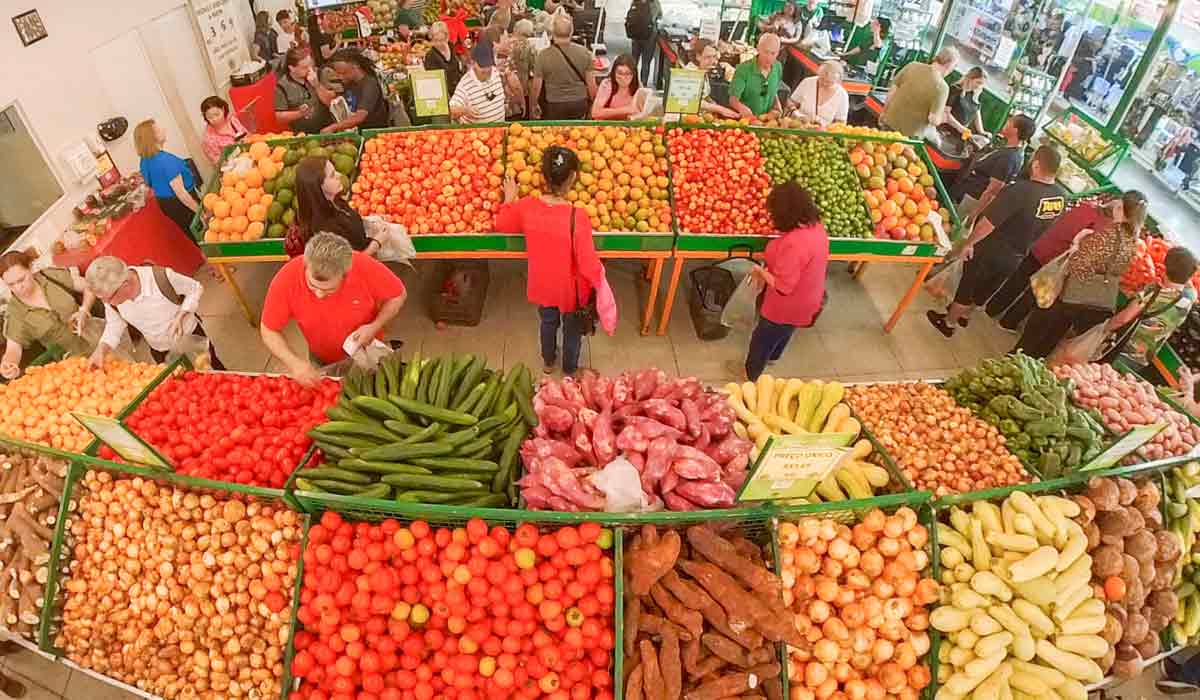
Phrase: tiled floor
pixel 848 343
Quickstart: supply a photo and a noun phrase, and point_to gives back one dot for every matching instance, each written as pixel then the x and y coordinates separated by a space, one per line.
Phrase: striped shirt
pixel 486 98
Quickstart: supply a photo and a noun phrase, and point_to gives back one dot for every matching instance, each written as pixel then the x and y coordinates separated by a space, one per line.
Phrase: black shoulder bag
pixel 585 313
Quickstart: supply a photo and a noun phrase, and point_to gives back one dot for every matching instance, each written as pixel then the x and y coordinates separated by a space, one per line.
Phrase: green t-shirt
pixel 758 93
pixel 863 40
pixel 1152 332
pixel 917 91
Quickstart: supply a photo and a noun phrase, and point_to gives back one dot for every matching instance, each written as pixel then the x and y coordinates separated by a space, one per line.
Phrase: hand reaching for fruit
pixel 510 189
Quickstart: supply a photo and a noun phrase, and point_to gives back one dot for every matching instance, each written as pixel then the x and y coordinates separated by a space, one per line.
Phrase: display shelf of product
pixel 1087 141
pixel 1030 89
pixel 1081 181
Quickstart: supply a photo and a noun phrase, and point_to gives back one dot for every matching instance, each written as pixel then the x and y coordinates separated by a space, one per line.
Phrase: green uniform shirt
pixel 758 93
pixel 26 325
pixel 864 40
pixel 917 91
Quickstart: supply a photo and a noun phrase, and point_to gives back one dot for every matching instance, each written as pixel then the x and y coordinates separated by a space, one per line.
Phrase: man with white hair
pixel 754 91
pixel 159 302
pixel 338 298
pixel 564 70
pixel 917 103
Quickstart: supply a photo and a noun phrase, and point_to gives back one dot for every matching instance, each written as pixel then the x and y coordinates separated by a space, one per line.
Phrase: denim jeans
pixel 643 53
pixel 572 335
pixel 767 344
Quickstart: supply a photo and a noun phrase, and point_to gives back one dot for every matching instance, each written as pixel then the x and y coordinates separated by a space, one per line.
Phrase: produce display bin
pixel 61 553
pixel 1103 155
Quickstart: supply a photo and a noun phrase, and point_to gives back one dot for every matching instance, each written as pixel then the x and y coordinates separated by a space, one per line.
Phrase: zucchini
pixel 469 381
pixel 335 474
pixel 379 407
pixel 443 415
pixel 424 496
pixel 371 430
pixel 424 435
pixel 433 483
pixel 457 463
pixel 347 441
pixel 402 429
pixel 396 452
pixel 376 491
pixel 363 465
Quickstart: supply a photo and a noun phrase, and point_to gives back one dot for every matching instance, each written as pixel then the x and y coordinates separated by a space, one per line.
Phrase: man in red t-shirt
pixel 335 295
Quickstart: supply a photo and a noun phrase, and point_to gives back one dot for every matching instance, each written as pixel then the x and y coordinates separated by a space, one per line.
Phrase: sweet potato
pixel 650 557
pixel 671 666
pixel 652 679
pixel 677 612
pixel 773 621
pixel 745 636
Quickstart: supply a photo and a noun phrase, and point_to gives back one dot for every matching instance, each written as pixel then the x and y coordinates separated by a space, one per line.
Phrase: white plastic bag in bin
pixel 742 307
pixel 394 243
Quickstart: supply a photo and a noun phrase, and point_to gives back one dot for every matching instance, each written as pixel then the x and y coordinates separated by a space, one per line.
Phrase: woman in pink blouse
pixel 616 98
pixel 794 276
pixel 223 129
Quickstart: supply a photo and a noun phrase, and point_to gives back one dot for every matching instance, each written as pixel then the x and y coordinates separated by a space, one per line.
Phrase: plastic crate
pixel 61 550
pixel 460 292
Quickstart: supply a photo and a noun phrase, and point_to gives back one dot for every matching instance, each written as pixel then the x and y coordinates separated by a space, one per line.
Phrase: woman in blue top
pixel 167 174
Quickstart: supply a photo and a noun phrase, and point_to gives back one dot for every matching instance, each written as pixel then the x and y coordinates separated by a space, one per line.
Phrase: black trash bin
pixel 710 289
pixel 460 293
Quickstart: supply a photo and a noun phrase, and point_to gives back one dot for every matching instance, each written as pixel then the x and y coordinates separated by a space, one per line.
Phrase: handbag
pixel 1095 291
pixel 585 314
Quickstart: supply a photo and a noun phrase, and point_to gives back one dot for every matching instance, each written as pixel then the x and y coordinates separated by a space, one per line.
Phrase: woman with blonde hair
pixel 168 175
pixel 441 56
pixel 821 99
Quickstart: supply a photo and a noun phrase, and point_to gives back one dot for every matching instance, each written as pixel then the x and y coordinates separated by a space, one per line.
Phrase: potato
pixel 1149 646
pixel 1106 561
pixel 1092 530
pixel 1128 663
pixel 1131 569
pixel 1164 603
pixel 1147 499
pixel 1116 524
pixel 1126 491
pixel 1169 547
pixel 1087 509
pixel 1142 545
pixel 1154 519
pixel 1164 575
pixel 1136 629
pixel 1103 493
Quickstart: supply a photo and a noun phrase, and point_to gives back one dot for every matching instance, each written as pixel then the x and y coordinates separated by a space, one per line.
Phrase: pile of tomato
pixel 432 181
pixel 720 184
pixel 249 429
pixel 394 612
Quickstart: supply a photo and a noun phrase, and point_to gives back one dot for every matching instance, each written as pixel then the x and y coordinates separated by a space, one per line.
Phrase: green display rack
pixel 1105 160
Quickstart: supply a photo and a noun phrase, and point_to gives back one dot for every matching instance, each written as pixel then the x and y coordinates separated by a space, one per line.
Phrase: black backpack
pixel 638 19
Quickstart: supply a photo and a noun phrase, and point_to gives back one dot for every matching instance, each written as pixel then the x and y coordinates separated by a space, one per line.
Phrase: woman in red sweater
pixel 794 275
pixel 564 270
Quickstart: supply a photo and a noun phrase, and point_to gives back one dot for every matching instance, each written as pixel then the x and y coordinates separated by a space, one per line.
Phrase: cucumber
pixel 461 437
pixel 352 383
pixel 392 366
pixel 508 458
pixel 423 496
pixel 510 381
pixel 338 487
pixel 345 411
pixel 425 435
pixel 412 372
pixel 378 407
pixel 376 491
pixel 473 446
pixel 491 500
pixel 481 453
pixel 441 397
pixel 469 380
pixel 491 388
pixel 425 380
pixel 333 451
pixel 442 415
pixel 525 381
pixel 471 399
pixel 347 441
pixel 402 429
pixel 525 405
pixel 335 474
pixel 379 382
pixel 370 430
pixel 457 463
pixel 396 452
pixel 306 485
pixel 432 483
pixel 363 465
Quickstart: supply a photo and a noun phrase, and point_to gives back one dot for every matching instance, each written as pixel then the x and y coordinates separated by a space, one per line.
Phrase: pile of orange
pixel 622 183
pixel 38 405
pixel 898 188
pixel 238 211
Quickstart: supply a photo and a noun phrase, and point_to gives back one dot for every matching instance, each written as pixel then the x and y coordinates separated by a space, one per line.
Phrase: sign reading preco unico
pixel 224 46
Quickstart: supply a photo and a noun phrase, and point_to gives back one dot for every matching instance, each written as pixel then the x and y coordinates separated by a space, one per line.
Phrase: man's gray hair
pixel 946 57
pixel 832 70
pixel 327 256
pixel 106 275
pixel 524 28
pixel 562 27
pixel 438 28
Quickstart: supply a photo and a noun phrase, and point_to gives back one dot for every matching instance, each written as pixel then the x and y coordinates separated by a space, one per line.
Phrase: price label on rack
pixel 429 93
pixel 1125 446
pixel 684 91
pixel 122 440
pixel 791 466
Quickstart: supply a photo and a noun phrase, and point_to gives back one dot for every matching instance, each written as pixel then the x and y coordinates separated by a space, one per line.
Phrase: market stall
pixel 867 222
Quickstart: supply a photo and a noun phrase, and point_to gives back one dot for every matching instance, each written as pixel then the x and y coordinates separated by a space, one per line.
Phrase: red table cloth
pixel 146 235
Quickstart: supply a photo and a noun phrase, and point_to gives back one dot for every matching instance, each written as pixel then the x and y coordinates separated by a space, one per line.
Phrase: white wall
pixel 63 92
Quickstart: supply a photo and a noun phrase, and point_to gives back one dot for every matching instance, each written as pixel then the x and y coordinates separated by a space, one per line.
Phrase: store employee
pixel 917 103
pixel 754 91
pixel 993 168
pixel 962 107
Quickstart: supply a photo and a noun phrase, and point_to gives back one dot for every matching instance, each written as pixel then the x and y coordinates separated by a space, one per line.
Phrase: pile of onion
pixel 181 594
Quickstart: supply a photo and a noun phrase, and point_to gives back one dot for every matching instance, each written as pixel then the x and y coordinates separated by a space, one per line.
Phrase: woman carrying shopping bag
pixel 1089 289
pixel 564 270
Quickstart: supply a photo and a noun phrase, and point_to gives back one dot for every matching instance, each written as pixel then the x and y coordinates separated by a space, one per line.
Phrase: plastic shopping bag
pixel 944 283
pixel 1086 347
pixel 194 348
pixel 1047 283
pixel 742 307
pixel 606 307
pixel 621 484
pixel 394 243
pixel 366 357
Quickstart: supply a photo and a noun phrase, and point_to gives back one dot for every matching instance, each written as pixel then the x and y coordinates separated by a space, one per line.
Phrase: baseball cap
pixel 483 55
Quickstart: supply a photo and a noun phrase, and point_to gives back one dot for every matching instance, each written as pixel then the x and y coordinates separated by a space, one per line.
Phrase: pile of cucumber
pixel 430 430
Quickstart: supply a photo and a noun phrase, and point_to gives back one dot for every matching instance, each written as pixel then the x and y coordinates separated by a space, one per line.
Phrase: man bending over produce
pixel 157 301
pixel 340 299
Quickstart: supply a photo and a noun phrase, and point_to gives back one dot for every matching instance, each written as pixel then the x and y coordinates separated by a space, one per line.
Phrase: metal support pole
pixel 940 37
pixel 1143 68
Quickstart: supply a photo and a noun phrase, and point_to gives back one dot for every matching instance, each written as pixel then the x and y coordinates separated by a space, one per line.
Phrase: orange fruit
pixel 221 209
pixel 241 187
pixel 259 150
pixel 255 230
pixel 253 196
pixel 905 185
pixel 267 169
pixel 238 207
pixel 278 154
pixel 253 178
pixel 229 179
pixel 258 212
pixel 266 200
pixel 240 223
pixel 210 199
